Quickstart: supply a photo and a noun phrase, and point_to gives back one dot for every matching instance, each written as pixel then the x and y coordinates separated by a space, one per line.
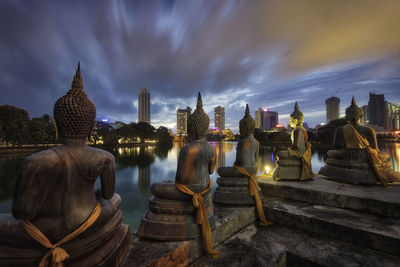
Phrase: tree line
pixel 16 128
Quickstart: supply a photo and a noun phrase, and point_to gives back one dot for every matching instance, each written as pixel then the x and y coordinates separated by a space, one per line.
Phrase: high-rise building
pixel 219 117
pixel 364 119
pixel 332 108
pixel 392 112
pixel 144 106
pixel 266 119
pixel 376 109
pixel 181 120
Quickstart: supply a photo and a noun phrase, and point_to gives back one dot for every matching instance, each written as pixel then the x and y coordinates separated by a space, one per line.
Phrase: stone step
pixel 241 250
pixel 367 230
pixel 277 245
pixel 369 199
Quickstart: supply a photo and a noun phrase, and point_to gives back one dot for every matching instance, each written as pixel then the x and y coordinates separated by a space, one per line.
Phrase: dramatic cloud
pixel 265 53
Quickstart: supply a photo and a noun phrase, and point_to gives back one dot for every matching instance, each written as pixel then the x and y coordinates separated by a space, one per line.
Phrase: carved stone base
pixel 172 219
pixel 349 166
pixel 288 167
pixel 233 191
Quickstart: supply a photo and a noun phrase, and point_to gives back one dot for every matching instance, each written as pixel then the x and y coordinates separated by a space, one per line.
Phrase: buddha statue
pixel 238 185
pixel 183 210
pixel 356 158
pixel 295 163
pixel 233 185
pixel 57 217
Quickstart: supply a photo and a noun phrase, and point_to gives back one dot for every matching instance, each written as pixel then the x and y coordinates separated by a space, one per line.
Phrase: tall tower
pixel 181 120
pixel 144 106
pixel 266 119
pixel 376 109
pixel 219 117
pixel 332 108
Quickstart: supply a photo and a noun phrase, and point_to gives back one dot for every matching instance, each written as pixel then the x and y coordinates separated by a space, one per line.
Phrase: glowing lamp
pixel 267 169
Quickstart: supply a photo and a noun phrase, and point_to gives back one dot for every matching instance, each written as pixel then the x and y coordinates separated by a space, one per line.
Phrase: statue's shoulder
pixel 97 152
pixel 47 158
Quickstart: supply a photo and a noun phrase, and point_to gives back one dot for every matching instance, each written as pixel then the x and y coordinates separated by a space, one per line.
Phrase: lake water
pixel 139 167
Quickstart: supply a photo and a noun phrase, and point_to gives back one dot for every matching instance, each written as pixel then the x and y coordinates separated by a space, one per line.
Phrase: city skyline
pixel 234 52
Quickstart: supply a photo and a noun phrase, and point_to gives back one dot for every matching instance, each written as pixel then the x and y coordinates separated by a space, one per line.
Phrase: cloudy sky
pixel 265 53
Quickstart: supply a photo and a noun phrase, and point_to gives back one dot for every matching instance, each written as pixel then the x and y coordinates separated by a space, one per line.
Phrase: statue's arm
pixel 30 190
pixel 107 178
pixel 338 139
pixel 296 139
pixel 211 163
pixel 239 154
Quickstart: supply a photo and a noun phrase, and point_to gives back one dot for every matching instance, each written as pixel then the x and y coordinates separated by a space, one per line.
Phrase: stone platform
pixel 146 252
pixel 315 223
pixel 369 199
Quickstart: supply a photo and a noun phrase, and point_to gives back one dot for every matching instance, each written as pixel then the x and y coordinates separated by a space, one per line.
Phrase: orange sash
pixel 58 254
pixel 253 185
pixel 201 217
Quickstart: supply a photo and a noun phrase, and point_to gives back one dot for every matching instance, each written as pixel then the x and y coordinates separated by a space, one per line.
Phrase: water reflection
pixel 139 167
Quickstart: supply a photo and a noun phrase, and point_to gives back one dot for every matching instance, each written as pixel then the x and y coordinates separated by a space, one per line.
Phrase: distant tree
pixel 38 129
pixel 163 137
pixel 327 132
pixel 145 130
pixel 14 123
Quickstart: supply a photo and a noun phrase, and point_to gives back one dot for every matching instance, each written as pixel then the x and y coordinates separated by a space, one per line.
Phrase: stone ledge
pixel 318 250
pixel 372 231
pixel 146 252
pixel 370 199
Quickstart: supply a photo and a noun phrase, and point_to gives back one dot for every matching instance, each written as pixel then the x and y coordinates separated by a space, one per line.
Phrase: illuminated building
pixel 219 116
pixel 332 108
pixel 392 113
pixel 265 119
pixel 144 106
pixel 181 120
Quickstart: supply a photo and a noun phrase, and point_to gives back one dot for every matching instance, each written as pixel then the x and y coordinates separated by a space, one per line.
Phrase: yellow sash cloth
pixel 306 172
pixel 353 139
pixel 58 254
pixel 201 217
pixel 253 185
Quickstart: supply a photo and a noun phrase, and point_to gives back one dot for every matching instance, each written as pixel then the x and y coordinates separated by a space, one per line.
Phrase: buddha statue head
pixel 198 121
pixel 74 113
pixel 297 117
pixel 353 112
pixel 247 124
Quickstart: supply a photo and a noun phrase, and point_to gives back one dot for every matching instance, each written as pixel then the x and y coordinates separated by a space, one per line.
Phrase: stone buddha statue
pixel 233 185
pixel 295 163
pixel 356 158
pixel 57 215
pixel 175 207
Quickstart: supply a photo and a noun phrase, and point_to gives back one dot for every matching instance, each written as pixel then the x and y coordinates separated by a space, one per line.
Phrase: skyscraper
pixel 181 120
pixel 219 117
pixel 376 109
pixel 266 119
pixel 144 106
pixel 332 108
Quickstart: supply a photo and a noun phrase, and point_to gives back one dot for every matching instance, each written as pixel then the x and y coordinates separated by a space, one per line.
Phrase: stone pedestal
pixel 288 167
pixel 172 215
pixel 233 188
pixel 349 166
